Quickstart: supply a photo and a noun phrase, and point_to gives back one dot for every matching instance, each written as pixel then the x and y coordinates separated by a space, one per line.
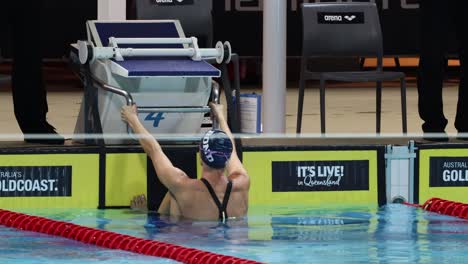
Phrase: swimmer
pixel 221 193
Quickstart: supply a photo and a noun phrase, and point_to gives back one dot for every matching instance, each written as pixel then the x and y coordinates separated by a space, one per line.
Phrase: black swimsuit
pixel 221 207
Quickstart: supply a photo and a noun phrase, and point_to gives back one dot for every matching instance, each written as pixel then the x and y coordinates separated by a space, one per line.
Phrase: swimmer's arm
pixel 169 175
pixel 234 168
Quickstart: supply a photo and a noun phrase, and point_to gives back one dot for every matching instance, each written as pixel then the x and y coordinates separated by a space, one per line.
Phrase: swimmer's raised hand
pixel 128 113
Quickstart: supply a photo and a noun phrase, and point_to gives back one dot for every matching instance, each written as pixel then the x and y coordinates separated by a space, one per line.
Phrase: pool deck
pixel 350 110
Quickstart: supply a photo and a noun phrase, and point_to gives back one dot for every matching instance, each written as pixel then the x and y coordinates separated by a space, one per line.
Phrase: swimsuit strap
pixel 221 207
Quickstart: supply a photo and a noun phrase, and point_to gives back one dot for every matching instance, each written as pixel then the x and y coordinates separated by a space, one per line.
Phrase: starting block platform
pixel 151 64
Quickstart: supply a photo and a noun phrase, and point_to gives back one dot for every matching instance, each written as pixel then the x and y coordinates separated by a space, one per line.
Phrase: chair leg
pixel 322 105
pixel 362 62
pixel 403 105
pixel 300 104
pixel 397 63
pixel 378 107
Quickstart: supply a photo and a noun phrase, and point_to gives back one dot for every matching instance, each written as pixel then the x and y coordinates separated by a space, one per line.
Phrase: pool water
pixel 391 234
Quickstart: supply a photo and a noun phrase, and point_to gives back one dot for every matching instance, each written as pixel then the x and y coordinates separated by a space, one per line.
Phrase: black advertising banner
pixel 35 181
pixel 305 176
pixel 173 2
pixel 237 21
pixel 448 171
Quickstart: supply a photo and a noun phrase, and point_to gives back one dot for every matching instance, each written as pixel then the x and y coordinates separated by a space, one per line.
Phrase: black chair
pixel 197 20
pixel 335 30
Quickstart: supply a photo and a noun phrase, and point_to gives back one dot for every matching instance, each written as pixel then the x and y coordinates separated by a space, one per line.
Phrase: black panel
pixel 448 171
pixel 183 158
pixel 381 177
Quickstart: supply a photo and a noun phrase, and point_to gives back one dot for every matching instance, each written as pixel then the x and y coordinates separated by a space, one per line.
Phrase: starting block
pixel 152 64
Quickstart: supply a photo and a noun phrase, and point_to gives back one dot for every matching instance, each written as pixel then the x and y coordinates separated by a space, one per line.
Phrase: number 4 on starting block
pixel 155 117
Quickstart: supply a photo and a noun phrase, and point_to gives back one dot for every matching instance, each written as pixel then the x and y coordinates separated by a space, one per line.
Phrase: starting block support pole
pixel 112 9
pixel 274 66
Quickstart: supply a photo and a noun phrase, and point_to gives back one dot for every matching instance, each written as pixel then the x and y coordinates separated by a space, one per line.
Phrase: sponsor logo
pixel 206 147
pixel 340 18
pixel 333 18
pixel 350 18
pixel 173 2
pixel 31 181
pixel 448 172
pixel 320 175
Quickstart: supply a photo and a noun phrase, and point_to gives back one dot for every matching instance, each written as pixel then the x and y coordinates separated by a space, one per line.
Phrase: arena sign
pixel 340 18
pixel 33 181
pixel 173 2
pixel 304 176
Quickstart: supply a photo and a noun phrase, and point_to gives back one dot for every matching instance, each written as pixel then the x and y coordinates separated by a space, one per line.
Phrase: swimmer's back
pixel 195 202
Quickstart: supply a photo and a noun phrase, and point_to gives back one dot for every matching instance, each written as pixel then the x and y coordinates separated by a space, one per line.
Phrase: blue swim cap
pixel 215 149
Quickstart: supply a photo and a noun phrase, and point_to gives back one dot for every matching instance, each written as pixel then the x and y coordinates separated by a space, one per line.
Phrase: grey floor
pixel 349 110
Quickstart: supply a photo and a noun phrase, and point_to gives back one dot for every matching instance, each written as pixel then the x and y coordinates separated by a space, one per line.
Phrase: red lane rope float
pixel 444 207
pixel 113 240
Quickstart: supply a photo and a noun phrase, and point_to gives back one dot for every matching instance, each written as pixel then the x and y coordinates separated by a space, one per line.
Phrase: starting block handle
pixel 128 97
pixel 216 99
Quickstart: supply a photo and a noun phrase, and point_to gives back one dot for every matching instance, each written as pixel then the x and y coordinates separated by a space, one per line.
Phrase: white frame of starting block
pixel 92 31
pixel 89 51
pixel 109 75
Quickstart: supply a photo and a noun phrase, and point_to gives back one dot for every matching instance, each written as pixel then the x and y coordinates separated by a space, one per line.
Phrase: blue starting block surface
pixel 150 66
pixel 168 67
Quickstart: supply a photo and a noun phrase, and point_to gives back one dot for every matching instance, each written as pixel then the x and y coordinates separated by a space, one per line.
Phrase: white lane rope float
pixel 87 52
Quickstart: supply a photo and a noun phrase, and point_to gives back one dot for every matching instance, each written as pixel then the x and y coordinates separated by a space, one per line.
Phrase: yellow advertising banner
pixel 49 181
pixel 443 173
pixel 312 177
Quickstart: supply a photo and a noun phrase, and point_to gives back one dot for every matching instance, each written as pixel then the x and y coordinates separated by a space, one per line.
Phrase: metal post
pixel 388 172
pixel 412 151
pixel 112 9
pixel 274 66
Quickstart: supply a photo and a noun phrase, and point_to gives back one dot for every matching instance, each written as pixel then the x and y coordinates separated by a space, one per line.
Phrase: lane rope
pixel 445 207
pixel 113 240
